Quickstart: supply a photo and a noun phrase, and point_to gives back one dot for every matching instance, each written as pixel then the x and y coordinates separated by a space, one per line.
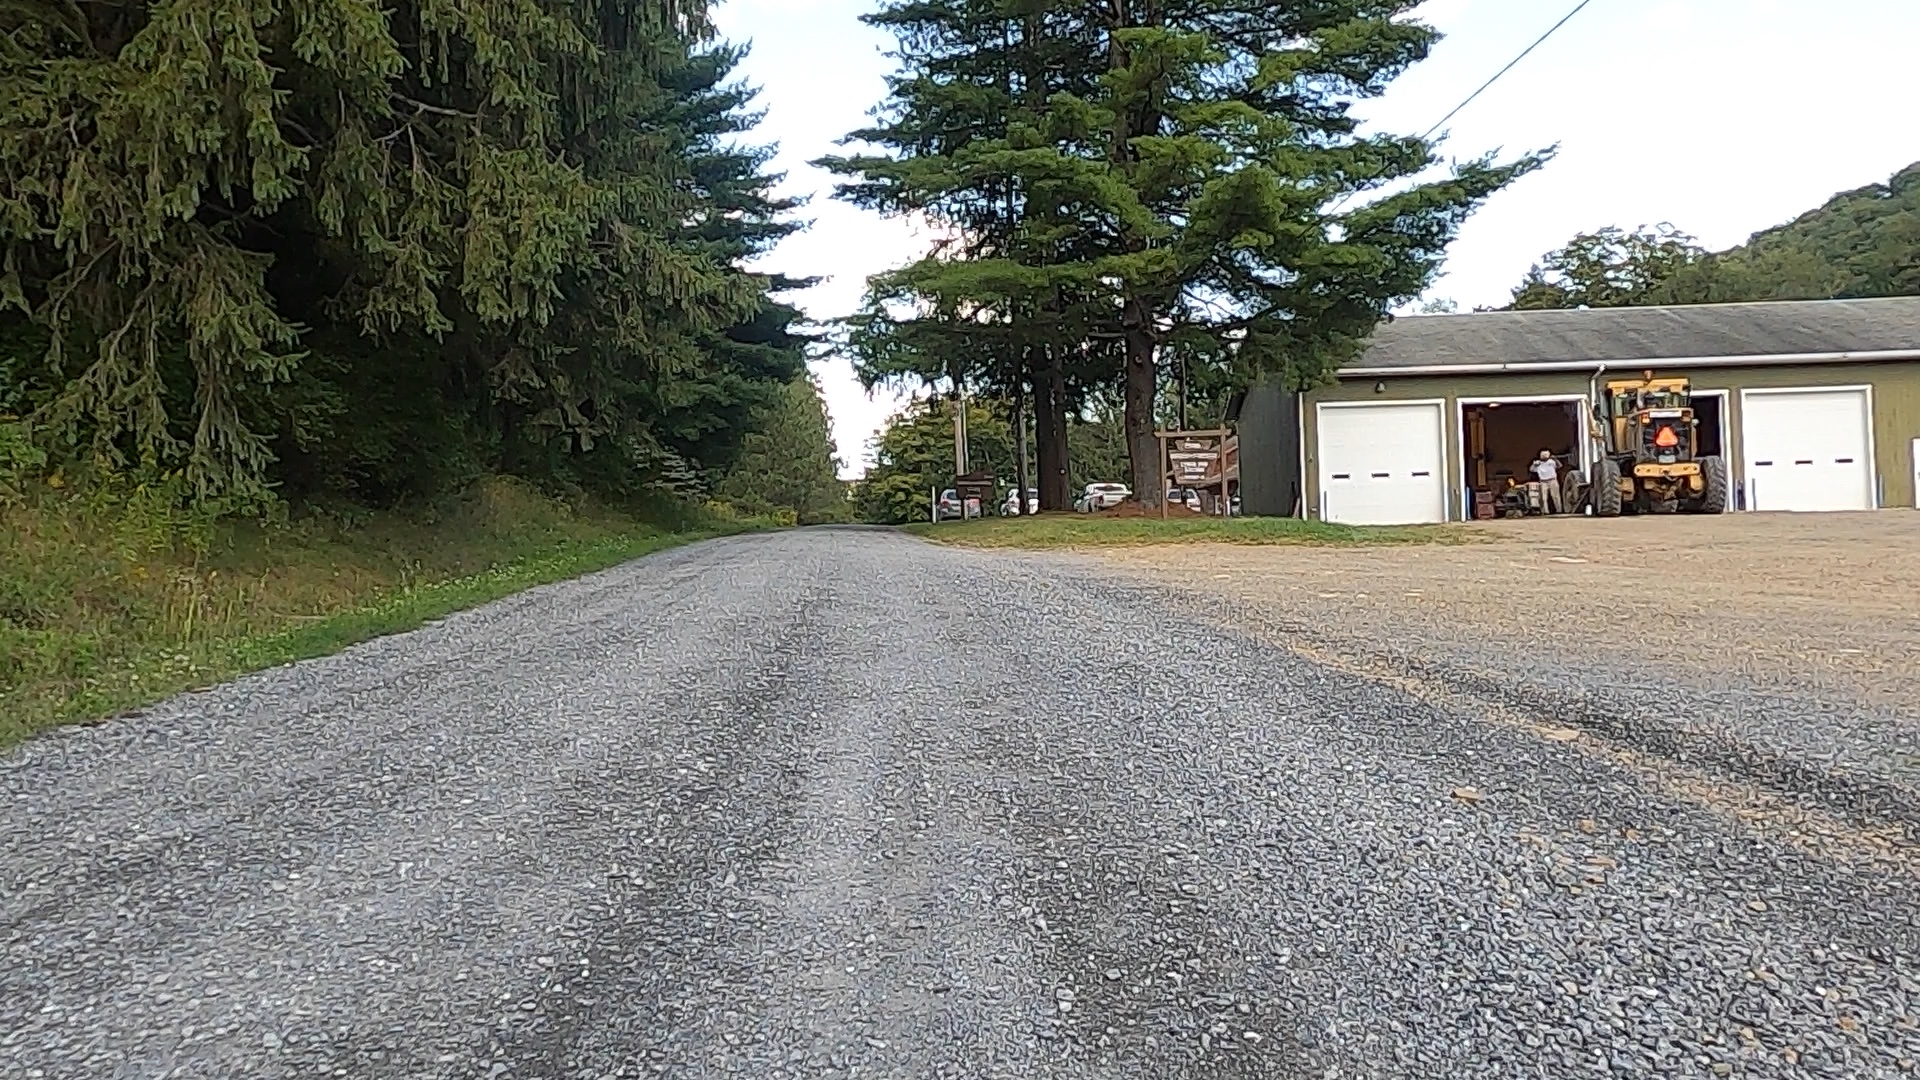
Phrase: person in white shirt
pixel 1547 472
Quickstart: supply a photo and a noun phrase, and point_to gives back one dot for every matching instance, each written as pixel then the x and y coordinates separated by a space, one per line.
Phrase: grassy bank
pixel 1095 530
pixel 110 601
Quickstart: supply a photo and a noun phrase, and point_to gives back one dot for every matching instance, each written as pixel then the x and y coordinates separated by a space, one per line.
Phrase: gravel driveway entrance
pixel 781 806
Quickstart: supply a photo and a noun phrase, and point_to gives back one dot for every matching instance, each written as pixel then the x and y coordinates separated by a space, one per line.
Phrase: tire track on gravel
pixel 1525 859
pixel 877 939
pixel 687 851
pixel 1831 811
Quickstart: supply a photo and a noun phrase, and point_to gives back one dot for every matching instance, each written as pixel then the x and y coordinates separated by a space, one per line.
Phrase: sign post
pixel 1195 459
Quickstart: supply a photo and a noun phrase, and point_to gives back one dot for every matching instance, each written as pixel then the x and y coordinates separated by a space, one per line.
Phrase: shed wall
pixel 1269 430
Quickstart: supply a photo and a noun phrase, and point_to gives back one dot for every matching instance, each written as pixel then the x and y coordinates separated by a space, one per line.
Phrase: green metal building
pixel 1815 405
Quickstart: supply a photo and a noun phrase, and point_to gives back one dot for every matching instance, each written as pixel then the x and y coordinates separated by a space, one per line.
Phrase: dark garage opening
pixel 1501 439
pixel 1709 424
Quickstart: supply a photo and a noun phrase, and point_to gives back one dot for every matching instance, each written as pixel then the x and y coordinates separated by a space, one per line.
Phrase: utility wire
pixel 1340 203
pixel 1568 17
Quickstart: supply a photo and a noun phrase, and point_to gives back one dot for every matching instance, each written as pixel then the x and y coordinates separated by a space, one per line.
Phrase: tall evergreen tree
pixel 1176 190
pixel 195 198
pixel 963 126
pixel 788 466
pixel 697 414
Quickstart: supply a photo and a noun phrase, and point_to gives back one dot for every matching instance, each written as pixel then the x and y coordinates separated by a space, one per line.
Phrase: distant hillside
pixel 1862 243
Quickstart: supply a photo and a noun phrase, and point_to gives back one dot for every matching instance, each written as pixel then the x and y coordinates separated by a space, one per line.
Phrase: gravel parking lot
pixel 1826 602
pixel 848 804
pixel 1772 647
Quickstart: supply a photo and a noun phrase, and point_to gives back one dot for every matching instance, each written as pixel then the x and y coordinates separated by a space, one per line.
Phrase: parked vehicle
pixel 1648 456
pixel 1102 497
pixel 949 507
pixel 1202 502
pixel 1011 506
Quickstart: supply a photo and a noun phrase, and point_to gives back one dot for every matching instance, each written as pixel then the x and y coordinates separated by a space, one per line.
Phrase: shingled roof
pixel 1629 335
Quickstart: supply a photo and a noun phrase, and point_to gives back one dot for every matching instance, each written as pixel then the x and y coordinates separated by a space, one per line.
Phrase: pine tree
pixel 706 412
pixel 964 128
pixel 193 192
pixel 1178 191
pixel 787 467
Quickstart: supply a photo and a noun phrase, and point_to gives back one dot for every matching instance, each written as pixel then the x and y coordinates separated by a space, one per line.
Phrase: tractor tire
pixel 1713 469
pixel 1573 488
pixel 1606 488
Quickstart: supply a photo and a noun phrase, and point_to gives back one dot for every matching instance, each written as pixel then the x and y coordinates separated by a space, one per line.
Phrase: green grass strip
pixel 164 670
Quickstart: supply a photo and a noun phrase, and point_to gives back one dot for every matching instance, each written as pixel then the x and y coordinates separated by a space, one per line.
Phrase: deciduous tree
pixel 913 458
pixel 1612 267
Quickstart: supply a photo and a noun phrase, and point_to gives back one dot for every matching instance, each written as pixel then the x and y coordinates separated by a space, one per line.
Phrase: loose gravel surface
pixel 846 804
pixel 1782 649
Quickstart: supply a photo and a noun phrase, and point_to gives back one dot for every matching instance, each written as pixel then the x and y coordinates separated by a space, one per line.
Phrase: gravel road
pixel 846 804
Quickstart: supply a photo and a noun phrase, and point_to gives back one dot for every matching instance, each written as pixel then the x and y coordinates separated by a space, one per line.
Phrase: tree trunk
pixel 1050 437
pixel 1183 392
pixel 1142 388
pixel 1020 439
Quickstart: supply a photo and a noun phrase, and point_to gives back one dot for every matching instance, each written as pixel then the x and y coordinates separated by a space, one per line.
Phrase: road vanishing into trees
pixel 848 804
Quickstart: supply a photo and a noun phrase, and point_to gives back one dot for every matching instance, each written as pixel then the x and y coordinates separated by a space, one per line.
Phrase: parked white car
pixel 1011 507
pixel 1102 497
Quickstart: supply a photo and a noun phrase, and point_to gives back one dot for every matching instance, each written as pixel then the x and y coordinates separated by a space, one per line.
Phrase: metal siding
pixel 1896 409
pixel 1269 451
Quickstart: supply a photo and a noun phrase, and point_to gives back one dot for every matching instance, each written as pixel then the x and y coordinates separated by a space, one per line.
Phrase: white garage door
pixel 1382 464
pixel 1807 450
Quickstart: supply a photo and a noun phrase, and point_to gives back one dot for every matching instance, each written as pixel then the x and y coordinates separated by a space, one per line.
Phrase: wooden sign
pixel 975 490
pixel 1194 459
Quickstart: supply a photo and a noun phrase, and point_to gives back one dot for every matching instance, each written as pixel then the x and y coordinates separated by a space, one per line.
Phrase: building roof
pixel 1811 329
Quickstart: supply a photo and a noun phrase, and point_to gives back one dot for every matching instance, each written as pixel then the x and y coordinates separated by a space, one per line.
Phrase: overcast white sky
pixel 1721 117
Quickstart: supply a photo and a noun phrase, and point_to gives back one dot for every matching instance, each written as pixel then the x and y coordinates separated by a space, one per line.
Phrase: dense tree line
pixel 372 249
pixel 1131 186
pixel 786 467
pixel 1861 243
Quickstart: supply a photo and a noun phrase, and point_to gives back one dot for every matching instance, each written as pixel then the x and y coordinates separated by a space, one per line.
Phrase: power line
pixel 1340 203
pixel 1568 17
